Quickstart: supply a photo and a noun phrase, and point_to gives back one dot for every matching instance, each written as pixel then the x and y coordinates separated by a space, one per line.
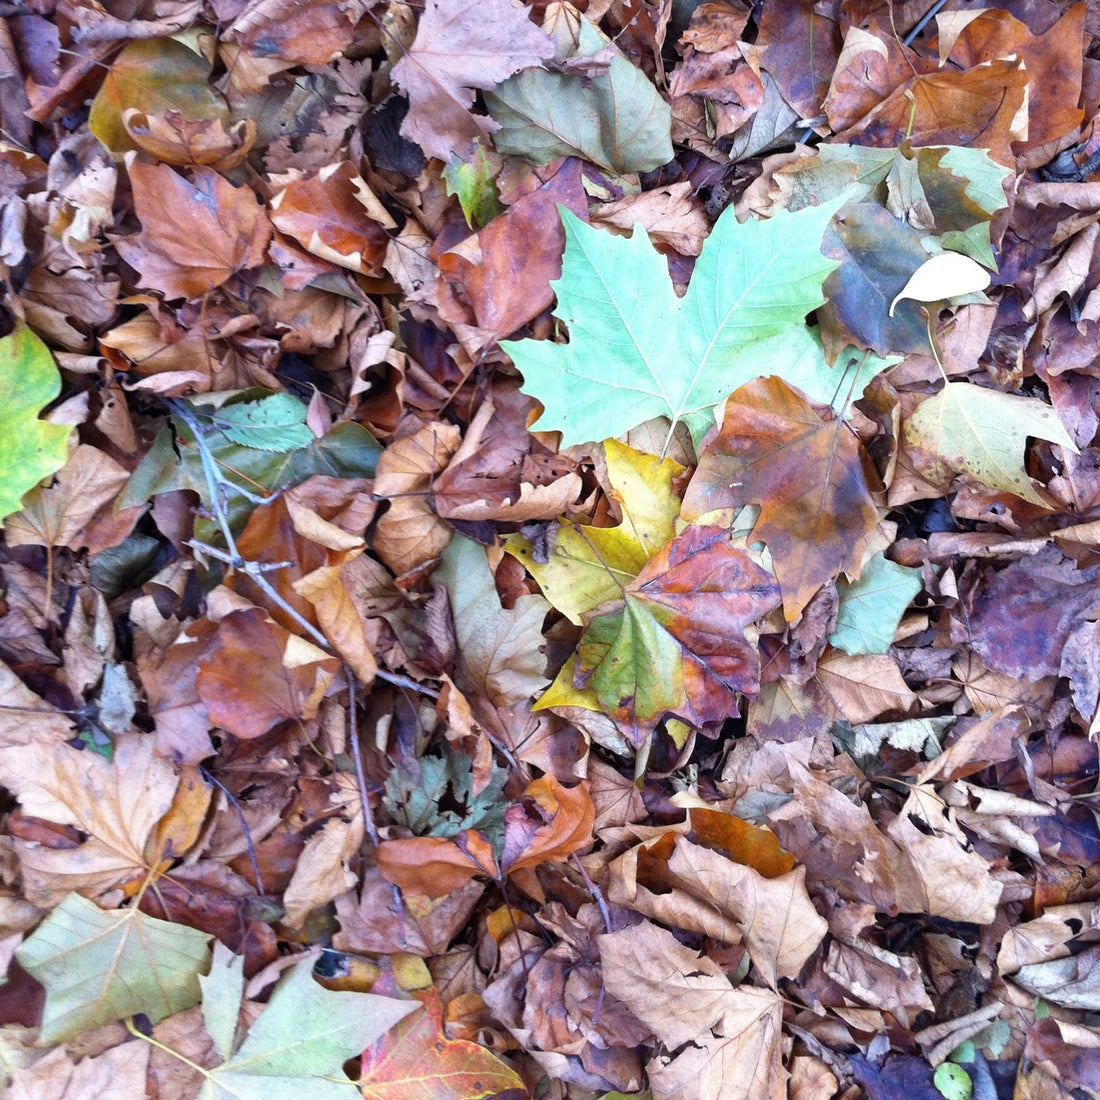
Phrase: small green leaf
pixel 953 1082
pixel 871 607
pixel 99 966
pixel 472 182
pixel 275 423
pixel 30 449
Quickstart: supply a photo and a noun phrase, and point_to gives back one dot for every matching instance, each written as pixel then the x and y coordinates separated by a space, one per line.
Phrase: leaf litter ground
pixel 549 552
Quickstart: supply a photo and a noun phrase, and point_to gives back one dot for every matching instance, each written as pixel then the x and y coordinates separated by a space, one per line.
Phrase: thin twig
pixel 218 488
pixel 244 827
pixel 357 757
pixel 594 890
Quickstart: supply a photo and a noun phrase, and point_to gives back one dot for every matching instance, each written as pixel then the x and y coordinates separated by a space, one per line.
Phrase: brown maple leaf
pixel 810 476
pixel 459 47
pixel 194 235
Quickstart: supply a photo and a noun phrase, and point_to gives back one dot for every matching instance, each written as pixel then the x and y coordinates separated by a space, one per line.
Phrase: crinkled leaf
pixel 636 351
pixel 30 449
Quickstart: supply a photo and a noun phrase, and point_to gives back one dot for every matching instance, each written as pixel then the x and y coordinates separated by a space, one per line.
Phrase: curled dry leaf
pixel 435 866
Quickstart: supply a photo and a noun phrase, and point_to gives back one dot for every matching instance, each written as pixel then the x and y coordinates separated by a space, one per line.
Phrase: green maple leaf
pixel 30 449
pixel 636 351
pixel 966 429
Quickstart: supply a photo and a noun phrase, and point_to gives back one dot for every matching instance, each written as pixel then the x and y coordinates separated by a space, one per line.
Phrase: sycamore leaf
pixel 299 1045
pixel 194 234
pixel 871 607
pixel 809 475
pixel 679 639
pixel 30 449
pixel 415 1059
pixel 153 77
pixel 589 565
pixel 981 433
pixel 636 351
pixel 947 275
pixel 102 966
pixel 459 47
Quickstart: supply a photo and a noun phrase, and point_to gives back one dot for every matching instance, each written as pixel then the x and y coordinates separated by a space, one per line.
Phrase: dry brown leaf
pixel 116 1074
pixel 194 236
pixel 117 805
pixel 460 47
pixel 702 891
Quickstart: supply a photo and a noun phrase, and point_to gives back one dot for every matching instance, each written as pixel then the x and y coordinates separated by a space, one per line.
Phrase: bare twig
pixel 244 827
pixel 218 489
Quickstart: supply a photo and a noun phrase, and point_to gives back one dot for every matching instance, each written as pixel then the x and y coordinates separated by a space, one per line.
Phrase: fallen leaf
pixel 195 235
pixel 806 471
pixel 458 49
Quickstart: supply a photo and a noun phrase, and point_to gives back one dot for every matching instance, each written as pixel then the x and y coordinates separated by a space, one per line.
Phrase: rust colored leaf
pixel 334 215
pixel 549 824
pixel 194 235
pixel 245 682
pixel 504 272
pixel 433 866
pixel 300 32
pixel 416 1061
pixel 738 840
pixel 809 475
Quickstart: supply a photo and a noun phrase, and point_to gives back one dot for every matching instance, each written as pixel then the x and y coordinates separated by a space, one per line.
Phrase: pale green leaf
pixel 636 351
pixel 222 990
pixel 30 449
pixel 98 966
pixel 953 1082
pixel 297 1048
pixel 871 607
pixel 274 423
pixel 967 429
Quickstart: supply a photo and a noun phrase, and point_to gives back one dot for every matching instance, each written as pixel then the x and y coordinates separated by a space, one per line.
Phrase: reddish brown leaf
pixel 245 684
pixel 808 473
pixel 196 235
pixel 549 824
pixel 327 214
pixel 416 1061
pixel 434 866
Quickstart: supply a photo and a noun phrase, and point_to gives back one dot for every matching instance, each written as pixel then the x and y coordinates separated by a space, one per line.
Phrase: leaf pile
pixel 549 550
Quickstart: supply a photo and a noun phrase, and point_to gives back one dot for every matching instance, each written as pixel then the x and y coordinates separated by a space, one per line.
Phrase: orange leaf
pixel 414 1060
pixel 194 236
pixel 245 685
pixel 434 866
pixel 548 825
pixel 327 216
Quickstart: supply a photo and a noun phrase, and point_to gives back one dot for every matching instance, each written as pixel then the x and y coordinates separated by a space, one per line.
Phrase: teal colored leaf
pixel 636 351
pixel 30 449
pixel 871 607
pixel 416 793
pixel 274 423
pixel 98 966
pixel 617 119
